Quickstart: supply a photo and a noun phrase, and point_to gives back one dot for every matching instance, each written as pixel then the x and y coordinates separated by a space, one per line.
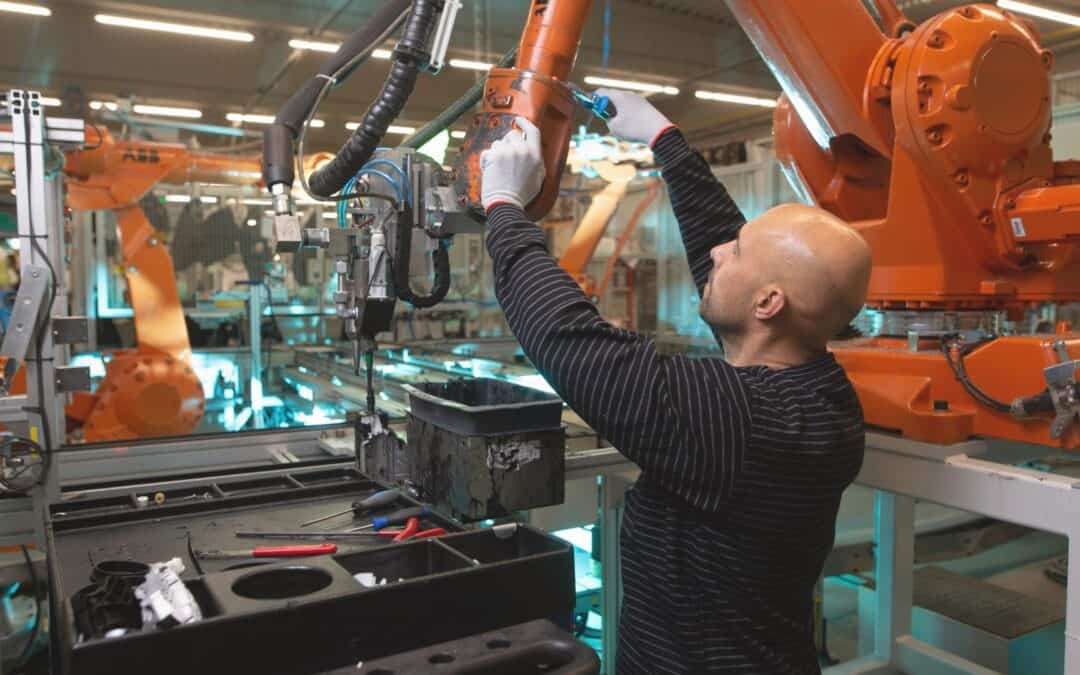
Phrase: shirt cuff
pixel 503 213
pixel 670 147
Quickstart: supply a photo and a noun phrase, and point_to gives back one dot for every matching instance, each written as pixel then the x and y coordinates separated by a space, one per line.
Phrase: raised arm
pixel 684 421
pixel 707 215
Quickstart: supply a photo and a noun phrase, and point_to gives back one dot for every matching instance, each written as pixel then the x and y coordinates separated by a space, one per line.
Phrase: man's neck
pixel 741 351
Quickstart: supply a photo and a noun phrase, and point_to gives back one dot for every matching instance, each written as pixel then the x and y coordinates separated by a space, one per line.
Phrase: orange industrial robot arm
pixel 151 390
pixel 934 142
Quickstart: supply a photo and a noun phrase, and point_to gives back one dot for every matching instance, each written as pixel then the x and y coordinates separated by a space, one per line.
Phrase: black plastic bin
pixel 484 406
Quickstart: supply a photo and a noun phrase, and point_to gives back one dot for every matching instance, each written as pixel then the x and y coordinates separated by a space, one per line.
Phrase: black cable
pixel 400 273
pixel 269 339
pixel 957 366
pixel 293 120
pixel 29 646
pixel 7 482
pixel 409 57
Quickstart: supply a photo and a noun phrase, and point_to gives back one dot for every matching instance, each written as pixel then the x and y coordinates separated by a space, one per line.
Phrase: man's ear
pixel 768 302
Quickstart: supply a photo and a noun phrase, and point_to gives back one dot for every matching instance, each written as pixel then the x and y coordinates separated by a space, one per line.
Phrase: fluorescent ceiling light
pixel 257 202
pixel 331 47
pixel 184 199
pixel 264 119
pixel 629 84
pixel 327 215
pixel 50 102
pixel 470 65
pixel 108 105
pixel 23 8
pixel 251 222
pixel 164 111
pixel 736 98
pixel 178 28
pixel 1041 12
pixel 328 47
pixel 392 129
pixel 457 134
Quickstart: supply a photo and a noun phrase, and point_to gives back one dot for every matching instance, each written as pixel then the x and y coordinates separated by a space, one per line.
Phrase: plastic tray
pixel 305 615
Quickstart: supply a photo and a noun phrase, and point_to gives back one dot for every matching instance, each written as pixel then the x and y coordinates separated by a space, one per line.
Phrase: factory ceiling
pixel 685 44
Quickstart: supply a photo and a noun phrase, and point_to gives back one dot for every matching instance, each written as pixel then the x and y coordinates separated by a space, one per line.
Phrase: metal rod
pixel 323 518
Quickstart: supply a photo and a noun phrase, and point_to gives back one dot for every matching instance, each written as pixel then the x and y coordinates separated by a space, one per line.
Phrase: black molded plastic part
pixel 526 649
pixel 484 407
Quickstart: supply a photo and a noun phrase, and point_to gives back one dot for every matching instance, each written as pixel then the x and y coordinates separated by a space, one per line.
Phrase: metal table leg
pixel 612 491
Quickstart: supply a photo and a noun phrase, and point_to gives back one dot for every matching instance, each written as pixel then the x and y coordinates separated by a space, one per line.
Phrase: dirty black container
pixel 484 448
pixel 484 406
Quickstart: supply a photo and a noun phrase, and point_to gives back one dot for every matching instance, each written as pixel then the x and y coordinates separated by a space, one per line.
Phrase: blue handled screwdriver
pixel 395 518
pixel 598 104
pixel 377 500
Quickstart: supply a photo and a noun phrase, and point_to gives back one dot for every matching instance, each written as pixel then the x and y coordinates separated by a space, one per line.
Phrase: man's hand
pixel 513 167
pixel 635 120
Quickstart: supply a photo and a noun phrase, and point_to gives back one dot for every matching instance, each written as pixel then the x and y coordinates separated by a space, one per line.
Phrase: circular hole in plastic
pixel 128 569
pixel 441 658
pixel 498 644
pixel 282 582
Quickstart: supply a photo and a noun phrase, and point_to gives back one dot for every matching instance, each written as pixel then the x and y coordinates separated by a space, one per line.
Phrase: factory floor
pixel 1018 566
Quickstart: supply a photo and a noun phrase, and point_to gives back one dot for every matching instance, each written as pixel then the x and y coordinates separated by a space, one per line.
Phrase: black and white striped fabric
pixel 727 530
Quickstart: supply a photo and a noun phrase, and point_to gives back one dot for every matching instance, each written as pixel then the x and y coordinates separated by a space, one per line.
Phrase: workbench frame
pixel 975 477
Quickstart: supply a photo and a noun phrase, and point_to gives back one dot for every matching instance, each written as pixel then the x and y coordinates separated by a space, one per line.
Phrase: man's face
pixel 728 298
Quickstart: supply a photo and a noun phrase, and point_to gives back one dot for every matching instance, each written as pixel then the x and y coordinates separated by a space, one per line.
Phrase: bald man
pixel 743 459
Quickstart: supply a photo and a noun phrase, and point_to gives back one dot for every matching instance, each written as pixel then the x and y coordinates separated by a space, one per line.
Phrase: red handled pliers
pixel 412 531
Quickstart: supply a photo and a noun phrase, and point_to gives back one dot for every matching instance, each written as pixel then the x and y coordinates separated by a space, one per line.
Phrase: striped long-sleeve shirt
pixel 726 531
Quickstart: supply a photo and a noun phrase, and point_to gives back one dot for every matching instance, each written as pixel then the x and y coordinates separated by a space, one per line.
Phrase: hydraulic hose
pixel 441 259
pixel 409 55
pixel 278 162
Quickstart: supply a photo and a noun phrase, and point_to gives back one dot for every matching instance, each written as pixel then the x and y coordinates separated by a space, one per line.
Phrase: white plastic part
pixel 366 579
pixel 164 596
pixel 441 42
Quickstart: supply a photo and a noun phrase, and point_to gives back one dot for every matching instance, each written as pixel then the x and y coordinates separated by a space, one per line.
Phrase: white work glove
pixel 635 120
pixel 512 169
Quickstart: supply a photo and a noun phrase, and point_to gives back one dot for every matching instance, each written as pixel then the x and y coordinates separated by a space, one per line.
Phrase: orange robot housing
pixel 935 143
pixel 535 89
pixel 151 390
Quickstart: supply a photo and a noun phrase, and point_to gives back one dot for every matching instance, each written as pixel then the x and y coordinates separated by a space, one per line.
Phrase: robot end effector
pixel 400 197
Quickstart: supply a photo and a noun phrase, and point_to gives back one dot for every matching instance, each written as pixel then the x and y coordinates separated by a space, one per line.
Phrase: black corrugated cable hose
pixel 278 139
pixel 409 55
pixel 441 259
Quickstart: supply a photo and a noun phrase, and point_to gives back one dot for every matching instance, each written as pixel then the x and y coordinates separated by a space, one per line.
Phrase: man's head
pixel 795 274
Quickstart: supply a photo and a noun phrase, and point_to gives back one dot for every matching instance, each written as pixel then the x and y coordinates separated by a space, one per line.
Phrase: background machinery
pixel 934 142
